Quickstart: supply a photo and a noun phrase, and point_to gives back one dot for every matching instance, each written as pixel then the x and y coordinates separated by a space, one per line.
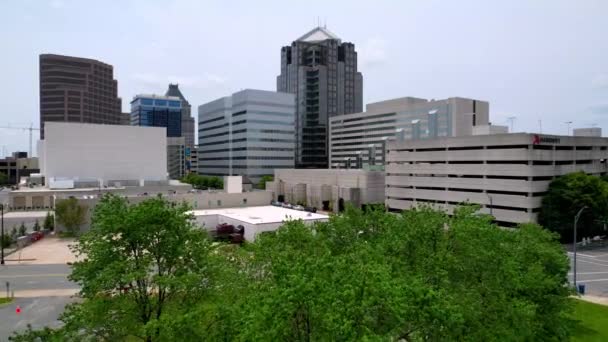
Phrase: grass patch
pixel 65 235
pixel 592 322
pixel 4 300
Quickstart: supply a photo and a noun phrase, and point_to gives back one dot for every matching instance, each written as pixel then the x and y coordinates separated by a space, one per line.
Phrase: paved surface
pixel 49 250
pixel 592 270
pixel 40 286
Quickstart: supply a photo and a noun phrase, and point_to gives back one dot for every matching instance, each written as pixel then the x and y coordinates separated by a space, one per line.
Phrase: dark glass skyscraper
pixel 187 119
pixel 77 89
pixel 158 111
pixel 322 72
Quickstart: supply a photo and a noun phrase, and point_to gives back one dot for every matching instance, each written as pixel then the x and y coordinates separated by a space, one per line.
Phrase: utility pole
pixel 2 236
pixel 511 120
pixel 568 123
pixel 576 217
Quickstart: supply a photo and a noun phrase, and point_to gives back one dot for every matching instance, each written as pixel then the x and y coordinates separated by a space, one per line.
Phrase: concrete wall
pixel 107 152
pixel 202 200
pixel 313 186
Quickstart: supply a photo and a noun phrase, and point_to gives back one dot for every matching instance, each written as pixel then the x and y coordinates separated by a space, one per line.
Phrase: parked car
pixel 35 236
pixel 298 207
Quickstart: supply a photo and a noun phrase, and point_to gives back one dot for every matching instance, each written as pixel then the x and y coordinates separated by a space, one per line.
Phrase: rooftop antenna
pixel 511 120
pixel 568 123
pixel 540 126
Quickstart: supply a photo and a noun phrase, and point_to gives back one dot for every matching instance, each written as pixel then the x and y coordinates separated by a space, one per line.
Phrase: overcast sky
pixel 535 60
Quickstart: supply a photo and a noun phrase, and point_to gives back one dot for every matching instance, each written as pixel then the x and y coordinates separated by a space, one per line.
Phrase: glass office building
pixel 158 111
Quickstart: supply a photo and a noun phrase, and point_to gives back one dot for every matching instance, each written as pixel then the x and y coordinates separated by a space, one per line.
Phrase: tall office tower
pixel 163 111
pixel 187 119
pixel 249 133
pixel 158 111
pixel 322 72
pixel 77 89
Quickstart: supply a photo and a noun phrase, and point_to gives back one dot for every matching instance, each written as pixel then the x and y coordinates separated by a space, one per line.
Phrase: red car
pixel 35 236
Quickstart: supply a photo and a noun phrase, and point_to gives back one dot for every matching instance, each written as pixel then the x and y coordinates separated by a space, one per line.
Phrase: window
pixel 147 102
pixel 219 203
pixel 160 102
pixel 244 201
pixel 174 104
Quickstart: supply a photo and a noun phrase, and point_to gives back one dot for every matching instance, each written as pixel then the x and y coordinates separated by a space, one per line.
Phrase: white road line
pixel 583 255
pixel 591 280
pixel 591 262
pixel 580 273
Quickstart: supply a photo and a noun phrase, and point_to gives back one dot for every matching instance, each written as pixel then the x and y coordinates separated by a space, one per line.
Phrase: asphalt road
pixel 42 291
pixel 592 270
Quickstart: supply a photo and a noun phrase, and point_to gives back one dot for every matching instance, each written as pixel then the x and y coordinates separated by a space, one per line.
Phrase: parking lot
pixel 592 270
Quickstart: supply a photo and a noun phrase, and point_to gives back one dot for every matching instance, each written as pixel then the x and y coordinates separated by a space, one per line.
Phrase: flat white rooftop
pixel 262 214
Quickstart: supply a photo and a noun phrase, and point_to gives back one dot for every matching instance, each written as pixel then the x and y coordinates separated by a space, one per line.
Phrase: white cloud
pixel 373 52
pixel 57 4
pixel 600 81
pixel 206 81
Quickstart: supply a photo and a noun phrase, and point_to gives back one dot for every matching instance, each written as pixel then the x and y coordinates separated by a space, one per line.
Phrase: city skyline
pixel 541 61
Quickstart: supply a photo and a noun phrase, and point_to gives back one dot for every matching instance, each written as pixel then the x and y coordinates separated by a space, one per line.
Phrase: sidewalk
pixel 594 299
pixel 49 250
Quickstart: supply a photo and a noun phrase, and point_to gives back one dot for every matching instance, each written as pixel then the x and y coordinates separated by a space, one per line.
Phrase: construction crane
pixel 31 129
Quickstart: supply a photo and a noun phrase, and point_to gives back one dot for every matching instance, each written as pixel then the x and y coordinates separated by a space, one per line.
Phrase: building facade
pixel 322 72
pixel 74 89
pixel 18 165
pixel 249 133
pixel 328 189
pixel 187 119
pixel 176 157
pixel 507 174
pixel 354 136
pixel 158 111
pixel 97 155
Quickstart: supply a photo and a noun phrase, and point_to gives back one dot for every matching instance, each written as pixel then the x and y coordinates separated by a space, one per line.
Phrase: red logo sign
pixel 535 139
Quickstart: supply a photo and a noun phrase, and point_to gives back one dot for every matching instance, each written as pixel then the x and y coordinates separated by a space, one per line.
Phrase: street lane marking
pixel 587 273
pixel 49 275
pixel 591 281
pixel 591 262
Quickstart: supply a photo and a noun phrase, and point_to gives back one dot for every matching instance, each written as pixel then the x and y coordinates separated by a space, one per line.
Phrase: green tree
pixel 263 180
pixel 36 227
pixel 14 233
pixel 3 178
pixel 566 196
pixel 6 241
pixel 22 229
pixel 49 222
pixel 379 276
pixel 71 214
pixel 144 264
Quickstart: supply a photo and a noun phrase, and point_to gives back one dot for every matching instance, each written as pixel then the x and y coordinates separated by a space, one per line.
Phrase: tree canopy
pixel 203 182
pixel 70 214
pixel 263 180
pixel 375 276
pixel 141 263
pixel 566 196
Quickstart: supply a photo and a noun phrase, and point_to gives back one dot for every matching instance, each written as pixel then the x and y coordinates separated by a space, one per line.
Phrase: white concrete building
pixel 352 134
pixel 73 153
pixel 328 189
pixel 255 220
pixel 249 133
pixel 505 173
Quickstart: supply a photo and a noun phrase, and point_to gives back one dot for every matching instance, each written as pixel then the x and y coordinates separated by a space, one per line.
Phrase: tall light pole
pixel 2 236
pixel 568 123
pixel 576 217
pixel 491 205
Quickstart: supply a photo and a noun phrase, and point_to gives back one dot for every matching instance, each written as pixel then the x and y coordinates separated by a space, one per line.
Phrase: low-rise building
pixel 328 189
pixel 18 165
pixel 507 174
pixel 254 220
pixel 353 137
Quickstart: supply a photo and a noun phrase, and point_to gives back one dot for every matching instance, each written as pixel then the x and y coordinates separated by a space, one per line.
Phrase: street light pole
pixel 576 217
pixel 2 236
pixel 491 205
